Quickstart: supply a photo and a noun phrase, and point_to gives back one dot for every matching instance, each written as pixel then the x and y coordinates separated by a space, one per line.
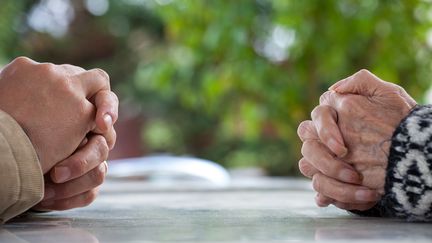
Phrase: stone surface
pixel 251 210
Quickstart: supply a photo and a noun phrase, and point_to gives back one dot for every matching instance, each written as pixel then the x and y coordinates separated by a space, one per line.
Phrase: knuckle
pixel 109 98
pixel 398 90
pixel 81 165
pixel 103 152
pixel 102 146
pixel 84 110
pixel 326 165
pixel 99 140
pixel 106 104
pixel 62 191
pixel 21 61
pixel 335 167
pixel 329 169
pixel 322 111
pixel 81 108
pixel 64 85
pixel 331 166
pixel 101 73
pixel 363 73
pixel 72 68
pixel 342 194
pixel 325 97
pixel 57 79
pixel 47 69
pixel 346 103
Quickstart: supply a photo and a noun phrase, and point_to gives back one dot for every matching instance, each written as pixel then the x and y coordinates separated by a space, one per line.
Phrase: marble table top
pixel 249 210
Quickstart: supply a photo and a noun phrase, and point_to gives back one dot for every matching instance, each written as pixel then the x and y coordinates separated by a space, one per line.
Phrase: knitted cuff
pixel 408 187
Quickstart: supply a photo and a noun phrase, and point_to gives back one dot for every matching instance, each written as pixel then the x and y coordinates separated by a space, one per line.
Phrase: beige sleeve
pixel 21 178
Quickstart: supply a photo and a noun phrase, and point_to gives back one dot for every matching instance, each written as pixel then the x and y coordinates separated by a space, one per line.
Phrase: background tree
pixel 227 80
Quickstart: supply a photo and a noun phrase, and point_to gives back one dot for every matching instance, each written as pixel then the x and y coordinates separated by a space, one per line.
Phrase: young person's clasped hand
pixel 68 114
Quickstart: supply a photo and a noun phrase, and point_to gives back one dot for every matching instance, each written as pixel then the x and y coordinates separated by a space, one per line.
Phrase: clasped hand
pixel 68 114
pixel 346 144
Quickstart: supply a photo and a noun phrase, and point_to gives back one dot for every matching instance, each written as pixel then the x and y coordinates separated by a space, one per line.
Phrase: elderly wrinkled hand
pixel 346 144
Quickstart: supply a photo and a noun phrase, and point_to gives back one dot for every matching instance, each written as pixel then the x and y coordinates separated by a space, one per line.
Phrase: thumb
pixel 361 83
pixel 366 83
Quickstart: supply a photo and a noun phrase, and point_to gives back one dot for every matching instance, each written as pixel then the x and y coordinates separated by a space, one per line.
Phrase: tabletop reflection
pixel 44 230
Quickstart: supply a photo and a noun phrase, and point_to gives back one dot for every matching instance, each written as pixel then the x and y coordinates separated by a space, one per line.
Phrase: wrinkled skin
pixel 361 114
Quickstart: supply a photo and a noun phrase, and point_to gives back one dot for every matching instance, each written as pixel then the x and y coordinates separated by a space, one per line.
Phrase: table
pixel 249 210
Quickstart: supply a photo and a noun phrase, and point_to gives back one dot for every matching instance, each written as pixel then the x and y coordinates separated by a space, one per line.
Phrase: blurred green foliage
pixel 231 80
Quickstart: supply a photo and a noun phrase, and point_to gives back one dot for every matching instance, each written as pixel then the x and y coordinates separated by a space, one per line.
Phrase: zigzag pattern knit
pixel 408 189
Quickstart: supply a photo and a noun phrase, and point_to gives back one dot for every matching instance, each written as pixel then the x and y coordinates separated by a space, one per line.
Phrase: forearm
pixel 20 173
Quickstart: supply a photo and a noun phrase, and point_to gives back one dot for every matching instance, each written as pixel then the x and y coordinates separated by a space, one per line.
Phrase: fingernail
pixel 108 120
pixel 365 195
pixel 83 142
pixel 331 88
pixel 47 203
pixel 334 86
pixel 349 176
pixel 343 152
pixel 62 173
pixel 102 167
pixel 339 83
pixel 337 148
pixel 49 193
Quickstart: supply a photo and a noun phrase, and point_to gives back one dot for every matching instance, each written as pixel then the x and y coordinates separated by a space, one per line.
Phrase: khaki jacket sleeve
pixel 21 178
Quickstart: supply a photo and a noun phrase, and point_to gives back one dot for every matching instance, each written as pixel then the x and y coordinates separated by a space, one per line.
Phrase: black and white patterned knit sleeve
pixel 408 187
